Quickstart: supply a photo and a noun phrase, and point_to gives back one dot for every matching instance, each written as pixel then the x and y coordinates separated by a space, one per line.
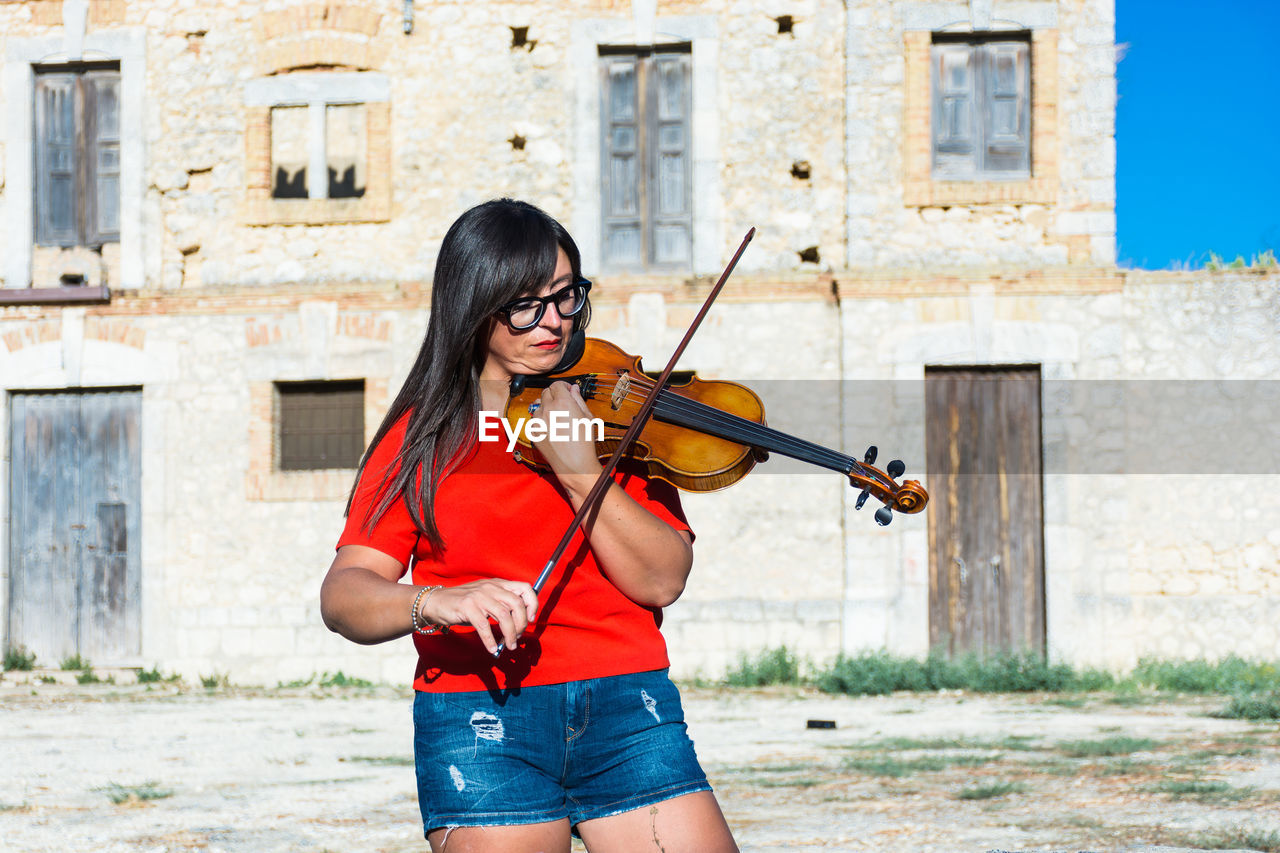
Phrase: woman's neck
pixel 494 394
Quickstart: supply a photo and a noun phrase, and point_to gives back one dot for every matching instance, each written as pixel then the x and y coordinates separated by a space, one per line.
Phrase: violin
pixel 703 435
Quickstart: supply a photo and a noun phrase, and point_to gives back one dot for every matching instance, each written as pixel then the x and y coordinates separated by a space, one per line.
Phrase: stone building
pixel 219 226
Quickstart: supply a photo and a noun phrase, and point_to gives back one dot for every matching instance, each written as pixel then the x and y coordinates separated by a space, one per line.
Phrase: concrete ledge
pixel 55 295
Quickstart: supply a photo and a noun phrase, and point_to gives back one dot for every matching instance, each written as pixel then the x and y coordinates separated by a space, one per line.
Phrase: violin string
pixel 758 435
pixel 715 421
pixel 700 415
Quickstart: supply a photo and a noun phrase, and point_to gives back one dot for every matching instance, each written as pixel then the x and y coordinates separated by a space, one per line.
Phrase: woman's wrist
pixel 422 623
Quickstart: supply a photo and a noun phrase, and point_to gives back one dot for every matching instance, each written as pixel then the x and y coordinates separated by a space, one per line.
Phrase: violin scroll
pixel 908 496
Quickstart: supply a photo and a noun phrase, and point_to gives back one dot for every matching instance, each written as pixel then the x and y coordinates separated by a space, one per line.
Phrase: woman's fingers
pixel 569 446
pixel 527 597
pixel 512 605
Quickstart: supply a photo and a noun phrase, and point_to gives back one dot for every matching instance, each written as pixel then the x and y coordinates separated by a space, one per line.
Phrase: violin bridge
pixel 620 391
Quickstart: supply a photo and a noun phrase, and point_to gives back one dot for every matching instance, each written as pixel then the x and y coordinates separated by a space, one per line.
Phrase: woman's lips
pixel 548 345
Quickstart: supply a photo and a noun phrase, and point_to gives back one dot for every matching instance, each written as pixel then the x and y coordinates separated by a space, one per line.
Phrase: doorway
pixel 986 519
pixel 75 503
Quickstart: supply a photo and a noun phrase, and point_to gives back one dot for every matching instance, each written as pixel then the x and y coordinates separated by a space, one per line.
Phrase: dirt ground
pixel 309 769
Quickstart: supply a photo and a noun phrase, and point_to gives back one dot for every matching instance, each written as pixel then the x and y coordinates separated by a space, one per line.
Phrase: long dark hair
pixel 494 253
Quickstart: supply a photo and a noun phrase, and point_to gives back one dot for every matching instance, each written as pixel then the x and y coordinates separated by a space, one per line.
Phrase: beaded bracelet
pixel 426 627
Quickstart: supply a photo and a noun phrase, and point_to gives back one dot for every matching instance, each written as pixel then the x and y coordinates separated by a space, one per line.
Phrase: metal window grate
pixel 319 424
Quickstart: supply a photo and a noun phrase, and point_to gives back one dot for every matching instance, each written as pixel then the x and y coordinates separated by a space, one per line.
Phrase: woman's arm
pixel 362 600
pixel 646 558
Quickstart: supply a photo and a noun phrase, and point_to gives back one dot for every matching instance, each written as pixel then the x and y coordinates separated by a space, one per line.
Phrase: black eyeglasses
pixel 525 313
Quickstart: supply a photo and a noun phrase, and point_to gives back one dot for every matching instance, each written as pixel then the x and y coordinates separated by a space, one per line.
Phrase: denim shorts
pixel 581 750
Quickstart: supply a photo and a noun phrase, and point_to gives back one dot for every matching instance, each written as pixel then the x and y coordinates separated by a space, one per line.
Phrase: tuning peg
pixel 862 498
pixel 895 469
pixel 884 515
pixel 870 456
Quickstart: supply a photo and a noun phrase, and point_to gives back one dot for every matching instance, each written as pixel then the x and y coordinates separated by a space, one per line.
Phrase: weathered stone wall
pixel 233 552
pixel 810 129
pixel 459 93
pixel 898 215
pixel 1161 455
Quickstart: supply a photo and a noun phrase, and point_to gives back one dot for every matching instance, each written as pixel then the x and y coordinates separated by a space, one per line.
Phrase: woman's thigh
pixel 692 823
pixel 550 837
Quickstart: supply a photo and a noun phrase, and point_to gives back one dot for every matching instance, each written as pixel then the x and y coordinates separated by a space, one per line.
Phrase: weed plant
pixel 1253 706
pixel 1105 748
pixel 990 790
pixel 774 666
pixel 338 679
pixel 1264 261
pixel 1237 838
pixel 155 676
pixel 88 676
pixel 888 765
pixel 1229 675
pixel 133 793
pixel 879 673
pixel 1205 791
pixel 215 680
pixel 383 760
pixel 1255 685
pixel 18 659
pixel 75 662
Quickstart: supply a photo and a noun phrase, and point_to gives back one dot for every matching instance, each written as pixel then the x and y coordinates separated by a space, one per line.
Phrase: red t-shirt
pixel 501 519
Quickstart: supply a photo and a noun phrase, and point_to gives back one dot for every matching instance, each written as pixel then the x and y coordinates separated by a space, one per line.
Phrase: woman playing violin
pixel 534 715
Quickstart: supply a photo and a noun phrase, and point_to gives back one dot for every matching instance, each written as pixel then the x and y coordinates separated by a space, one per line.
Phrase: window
pixel 981 106
pixel 319 424
pixel 318 148
pixel 318 151
pixel 646 198
pixel 77 155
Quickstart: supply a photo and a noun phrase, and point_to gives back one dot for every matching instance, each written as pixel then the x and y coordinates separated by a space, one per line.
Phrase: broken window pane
pixel 289 152
pixel 346 149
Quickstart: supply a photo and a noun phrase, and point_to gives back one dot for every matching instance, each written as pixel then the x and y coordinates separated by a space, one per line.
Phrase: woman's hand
pixel 511 604
pixel 361 599
pixel 571 451
pixel 643 556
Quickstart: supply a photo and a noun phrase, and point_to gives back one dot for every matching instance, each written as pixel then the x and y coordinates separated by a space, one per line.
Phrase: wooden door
pixel 75 506
pixel 986 530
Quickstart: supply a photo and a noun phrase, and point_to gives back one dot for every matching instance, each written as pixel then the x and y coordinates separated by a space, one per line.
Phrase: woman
pixel 540 716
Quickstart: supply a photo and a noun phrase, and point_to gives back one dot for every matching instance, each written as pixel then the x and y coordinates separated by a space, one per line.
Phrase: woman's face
pixel 534 350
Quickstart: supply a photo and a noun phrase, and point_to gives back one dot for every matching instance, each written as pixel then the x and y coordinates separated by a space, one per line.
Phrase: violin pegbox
pixel 905 497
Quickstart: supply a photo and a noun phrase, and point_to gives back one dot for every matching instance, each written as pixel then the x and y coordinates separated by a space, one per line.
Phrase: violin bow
pixel 637 423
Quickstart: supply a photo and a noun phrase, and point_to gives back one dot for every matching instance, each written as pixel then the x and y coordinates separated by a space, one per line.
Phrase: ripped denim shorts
pixel 581 750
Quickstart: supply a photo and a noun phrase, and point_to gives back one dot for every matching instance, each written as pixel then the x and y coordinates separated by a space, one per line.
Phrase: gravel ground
pixel 288 770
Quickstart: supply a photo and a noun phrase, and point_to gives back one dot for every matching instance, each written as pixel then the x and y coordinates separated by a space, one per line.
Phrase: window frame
pixel 649 123
pixel 920 187
pixel 87 147
pixel 317 91
pixel 285 432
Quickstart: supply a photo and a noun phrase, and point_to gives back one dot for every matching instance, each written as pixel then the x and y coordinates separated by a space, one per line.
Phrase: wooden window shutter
pixel 57 166
pixel 1007 119
pixel 102 157
pixel 621 179
pixel 981 106
pixel 670 201
pixel 955 129
pixel 646 164
pixel 319 424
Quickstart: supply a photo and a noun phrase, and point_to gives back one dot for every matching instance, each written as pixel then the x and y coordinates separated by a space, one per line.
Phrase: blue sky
pixel 1197 131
